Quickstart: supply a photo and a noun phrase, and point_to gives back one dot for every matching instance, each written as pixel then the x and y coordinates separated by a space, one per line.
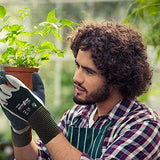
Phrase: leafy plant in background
pixel 148 12
pixel 22 53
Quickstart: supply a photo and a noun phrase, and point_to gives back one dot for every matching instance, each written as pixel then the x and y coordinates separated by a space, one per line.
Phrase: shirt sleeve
pixel 43 153
pixel 140 141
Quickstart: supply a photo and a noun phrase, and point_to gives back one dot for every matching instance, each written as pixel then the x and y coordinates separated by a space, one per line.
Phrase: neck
pixel 104 107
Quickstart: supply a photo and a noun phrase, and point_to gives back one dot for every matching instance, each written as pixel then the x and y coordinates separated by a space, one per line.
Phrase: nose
pixel 78 76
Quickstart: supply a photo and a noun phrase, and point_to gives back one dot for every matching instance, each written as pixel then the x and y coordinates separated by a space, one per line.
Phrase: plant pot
pixel 23 74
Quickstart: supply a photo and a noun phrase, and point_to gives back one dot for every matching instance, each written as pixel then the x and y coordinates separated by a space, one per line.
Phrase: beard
pixel 98 95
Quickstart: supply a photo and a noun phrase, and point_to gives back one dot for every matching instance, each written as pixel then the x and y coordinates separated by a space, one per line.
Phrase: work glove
pixel 18 125
pixel 21 102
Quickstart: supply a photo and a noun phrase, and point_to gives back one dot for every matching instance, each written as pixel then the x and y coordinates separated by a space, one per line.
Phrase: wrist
pixel 21 140
pixel 42 122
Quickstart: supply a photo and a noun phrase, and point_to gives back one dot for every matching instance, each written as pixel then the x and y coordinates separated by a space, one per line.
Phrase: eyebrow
pixel 86 68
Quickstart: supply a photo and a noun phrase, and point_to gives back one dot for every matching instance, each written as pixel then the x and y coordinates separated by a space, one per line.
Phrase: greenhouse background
pixel 58 73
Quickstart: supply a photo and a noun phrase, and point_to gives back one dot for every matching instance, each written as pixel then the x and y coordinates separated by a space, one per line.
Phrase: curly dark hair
pixel 118 51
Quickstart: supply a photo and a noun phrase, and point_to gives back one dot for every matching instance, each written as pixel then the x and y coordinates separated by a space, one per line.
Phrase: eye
pixel 89 71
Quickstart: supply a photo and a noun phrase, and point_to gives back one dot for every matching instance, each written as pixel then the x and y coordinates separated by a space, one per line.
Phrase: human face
pixel 90 85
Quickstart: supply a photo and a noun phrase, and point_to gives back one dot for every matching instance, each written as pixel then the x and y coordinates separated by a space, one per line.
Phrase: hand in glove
pixel 19 126
pixel 22 103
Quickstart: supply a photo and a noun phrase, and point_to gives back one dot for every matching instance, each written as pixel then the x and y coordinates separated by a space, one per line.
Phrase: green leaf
pixel 127 19
pixel 66 22
pixel 20 10
pixel 28 34
pixel 21 44
pixel 15 28
pixel 2 12
pixel 47 45
pixel 154 1
pixel 131 16
pixel 4 40
pixel 141 14
pixel 59 52
pixel 51 17
pixel 57 35
pixel 143 2
pixel 45 57
pixel 45 31
pixel 137 1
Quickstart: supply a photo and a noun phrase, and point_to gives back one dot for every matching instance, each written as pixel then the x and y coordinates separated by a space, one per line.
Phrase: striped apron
pixel 88 140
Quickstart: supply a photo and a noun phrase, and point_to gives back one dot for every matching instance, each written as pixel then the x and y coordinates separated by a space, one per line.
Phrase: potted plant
pixel 21 53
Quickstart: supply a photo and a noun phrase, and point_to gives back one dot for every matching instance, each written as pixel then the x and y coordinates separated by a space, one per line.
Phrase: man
pixel 107 122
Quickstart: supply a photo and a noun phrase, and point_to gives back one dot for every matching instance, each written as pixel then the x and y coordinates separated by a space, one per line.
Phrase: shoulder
pixel 140 128
pixel 142 113
pixel 140 119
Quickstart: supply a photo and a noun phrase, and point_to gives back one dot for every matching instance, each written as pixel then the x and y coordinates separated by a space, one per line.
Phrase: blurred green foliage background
pixel 57 75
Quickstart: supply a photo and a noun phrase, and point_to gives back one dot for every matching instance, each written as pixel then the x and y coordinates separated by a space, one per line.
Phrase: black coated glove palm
pixel 24 104
pixel 20 126
pixel 18 99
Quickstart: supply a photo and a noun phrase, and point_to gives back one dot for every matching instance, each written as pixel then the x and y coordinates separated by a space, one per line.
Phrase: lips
pixel 78 89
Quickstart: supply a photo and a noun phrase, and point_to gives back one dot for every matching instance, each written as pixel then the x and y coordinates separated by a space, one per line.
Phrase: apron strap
pixel 88 140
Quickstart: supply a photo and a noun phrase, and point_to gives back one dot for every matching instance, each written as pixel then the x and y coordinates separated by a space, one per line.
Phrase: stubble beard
pixel 98 95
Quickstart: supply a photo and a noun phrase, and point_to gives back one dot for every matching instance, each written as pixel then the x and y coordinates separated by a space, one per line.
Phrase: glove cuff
pixel 42 122
pixel 21 140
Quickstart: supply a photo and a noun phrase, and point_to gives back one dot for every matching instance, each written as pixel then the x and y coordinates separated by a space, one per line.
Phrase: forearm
pixel 24 146
pixel 50 134
pixel 60 148
pixel 28 152
pixel 19 103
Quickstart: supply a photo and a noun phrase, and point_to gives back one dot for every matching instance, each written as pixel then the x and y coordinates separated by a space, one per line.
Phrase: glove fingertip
pixel 2 77
pixel 38 86
pixel 36 79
